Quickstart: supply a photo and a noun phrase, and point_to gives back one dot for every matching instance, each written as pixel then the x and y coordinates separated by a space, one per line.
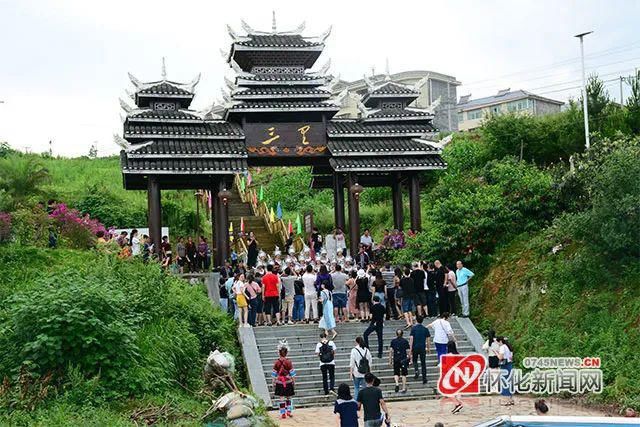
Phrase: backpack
pixel 363 364
pixel 326 353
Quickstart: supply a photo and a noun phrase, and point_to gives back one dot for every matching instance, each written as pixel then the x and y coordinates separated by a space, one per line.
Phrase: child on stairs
pixel 283 380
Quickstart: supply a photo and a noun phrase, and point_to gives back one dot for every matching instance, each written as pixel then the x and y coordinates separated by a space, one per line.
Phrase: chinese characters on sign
pixel 468 374
pixel 285 139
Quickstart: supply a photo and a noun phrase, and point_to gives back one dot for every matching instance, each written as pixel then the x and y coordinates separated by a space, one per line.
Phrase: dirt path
pixel 428 412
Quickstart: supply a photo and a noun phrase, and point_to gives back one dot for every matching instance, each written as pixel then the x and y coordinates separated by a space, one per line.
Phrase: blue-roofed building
pixel 471 112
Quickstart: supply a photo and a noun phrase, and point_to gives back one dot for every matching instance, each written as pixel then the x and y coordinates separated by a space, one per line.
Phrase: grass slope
pixel 548 307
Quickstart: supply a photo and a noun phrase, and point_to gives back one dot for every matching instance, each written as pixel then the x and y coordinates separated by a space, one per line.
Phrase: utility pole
pixel 585 108
pixel 621 96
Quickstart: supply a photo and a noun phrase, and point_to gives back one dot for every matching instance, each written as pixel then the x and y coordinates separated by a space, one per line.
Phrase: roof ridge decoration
pixel 297 31
pixel 189 87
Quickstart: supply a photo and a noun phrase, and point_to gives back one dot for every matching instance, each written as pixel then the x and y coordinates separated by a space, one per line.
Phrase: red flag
pixel 290 228
pixel 249 178
pixel 255 198
pixel 242 224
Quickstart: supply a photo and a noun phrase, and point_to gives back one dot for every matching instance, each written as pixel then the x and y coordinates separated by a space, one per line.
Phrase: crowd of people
pixel 326 290
pixel 189 256
pixel 295 289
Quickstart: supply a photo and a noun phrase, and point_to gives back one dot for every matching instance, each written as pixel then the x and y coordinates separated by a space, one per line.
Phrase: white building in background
pixel 437 90
pixel 471 112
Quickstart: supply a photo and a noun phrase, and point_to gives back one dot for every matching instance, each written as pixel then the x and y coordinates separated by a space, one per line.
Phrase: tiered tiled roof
pixel 164 137
pixel 389 137
pixel 273 76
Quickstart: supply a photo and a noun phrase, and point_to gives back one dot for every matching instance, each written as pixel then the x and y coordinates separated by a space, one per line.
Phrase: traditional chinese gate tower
pixel 278 113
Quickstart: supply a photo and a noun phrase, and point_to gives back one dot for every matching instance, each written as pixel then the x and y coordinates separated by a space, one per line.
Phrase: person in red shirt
pixel 271 295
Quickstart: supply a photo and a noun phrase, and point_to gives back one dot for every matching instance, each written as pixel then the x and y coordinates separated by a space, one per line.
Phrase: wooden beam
pixel 338 201
pixel 414 202
pixel 354 216
pixel 154 212
pixel 396 197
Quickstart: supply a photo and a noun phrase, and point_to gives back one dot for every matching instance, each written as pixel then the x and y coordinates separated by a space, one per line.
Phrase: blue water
pixel 528 421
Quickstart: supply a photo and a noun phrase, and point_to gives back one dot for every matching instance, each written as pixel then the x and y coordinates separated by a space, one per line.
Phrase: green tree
pixel 633 104
pixel 22 177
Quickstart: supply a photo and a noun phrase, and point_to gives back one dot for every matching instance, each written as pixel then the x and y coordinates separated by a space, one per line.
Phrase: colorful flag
pixel 290 228
pixel 249 180
pixel 272 216
pixel 242 224
pixel 279 211
pixel 231 227
pixel 255 198
pixel 298 224
pixel 261 195
pixel 208 195
pixel 242 183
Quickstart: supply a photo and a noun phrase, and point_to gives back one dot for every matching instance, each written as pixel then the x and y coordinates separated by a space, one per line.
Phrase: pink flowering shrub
pixel 5 226
pixel 74 229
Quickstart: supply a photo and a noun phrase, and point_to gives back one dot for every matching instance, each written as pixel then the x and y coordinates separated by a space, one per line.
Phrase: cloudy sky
pixel 63 64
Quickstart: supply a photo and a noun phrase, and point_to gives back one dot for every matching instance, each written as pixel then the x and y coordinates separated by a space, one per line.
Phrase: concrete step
pixel 386 377
pixel 321 400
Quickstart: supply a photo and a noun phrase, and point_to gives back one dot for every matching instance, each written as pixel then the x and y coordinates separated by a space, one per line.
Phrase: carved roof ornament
pixel 387 77
pixel 325 67
pixel 250 31
pixel 209 114
pixel 246 27
pixel 370 85
pixel 417 86
pixel 137 83
pixel 230 84
pixel 121 142
pixel 126 107
pixel 274 28
pixel 239 71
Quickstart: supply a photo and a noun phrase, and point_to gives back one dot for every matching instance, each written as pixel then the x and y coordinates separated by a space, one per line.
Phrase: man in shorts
pixel 399 359
pixel 339 299
pixel 271 295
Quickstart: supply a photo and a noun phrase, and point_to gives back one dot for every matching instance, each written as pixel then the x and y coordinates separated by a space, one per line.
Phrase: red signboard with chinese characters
pixel 285 139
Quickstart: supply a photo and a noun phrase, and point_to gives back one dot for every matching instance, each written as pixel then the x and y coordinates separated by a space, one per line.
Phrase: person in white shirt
pixel 310 294
pixel 341 243
pixel 135 243
pixel 505 354
pixel 367 241
pixel 326 351
pixel 358 353
pixel 442 334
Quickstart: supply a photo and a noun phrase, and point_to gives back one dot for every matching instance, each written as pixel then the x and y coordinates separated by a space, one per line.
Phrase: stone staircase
pixel 302 340
pixel 239 209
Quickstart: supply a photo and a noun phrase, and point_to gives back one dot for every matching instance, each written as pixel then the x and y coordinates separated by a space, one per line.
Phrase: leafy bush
pixel 31 227
pixel 68 320
pixel 610 223
pixel 22 178
pixel 468 215
pixel 5 226
pixel 104 328
pixel 101 203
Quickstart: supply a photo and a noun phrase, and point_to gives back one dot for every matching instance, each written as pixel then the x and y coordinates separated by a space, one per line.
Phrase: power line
pixel 606 52
pixel 590 69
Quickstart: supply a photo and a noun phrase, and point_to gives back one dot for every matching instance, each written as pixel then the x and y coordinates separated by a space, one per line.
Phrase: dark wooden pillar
pixel 338 201
pixel 154 212
pixel 414 202
pixel 354 216
pixel 221 211
pixel 396 196
pixel 215 223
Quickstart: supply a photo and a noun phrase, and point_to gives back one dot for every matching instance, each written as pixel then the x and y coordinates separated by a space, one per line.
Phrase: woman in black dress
pixel 252 250
pixel 363 295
